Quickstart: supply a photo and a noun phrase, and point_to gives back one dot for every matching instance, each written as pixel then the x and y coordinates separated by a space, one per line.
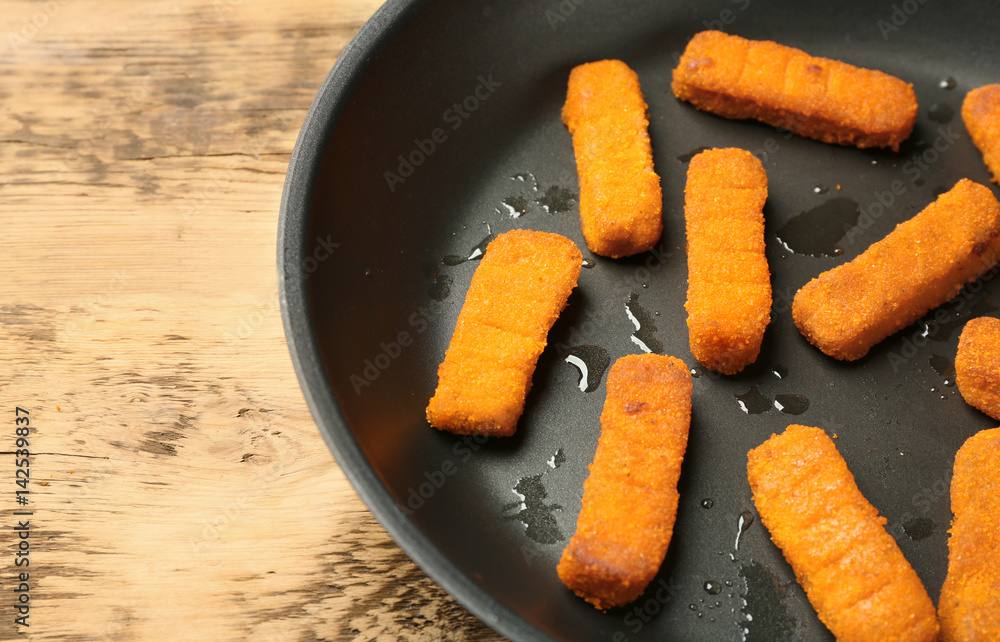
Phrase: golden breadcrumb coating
pixel 977 365
pixel 981 113
pixel 729 284
pixel 818 98
pixel 620 199
pixel 921 264
pixel 519 288
pixel 630 497
pixel 969 608
pixel 851 569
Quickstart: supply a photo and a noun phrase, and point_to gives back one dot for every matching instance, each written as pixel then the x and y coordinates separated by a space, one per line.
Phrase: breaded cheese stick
pixel 981 113
pixel 852 570
pixel 921 264
pixel 620 199
pixel 969 608
pixel 517 292
pixel 977 365
pixel 729 284
pixel 630 497
pixel 818 98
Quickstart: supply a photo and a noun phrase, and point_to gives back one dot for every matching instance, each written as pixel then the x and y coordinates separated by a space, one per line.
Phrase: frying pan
pixel 439 127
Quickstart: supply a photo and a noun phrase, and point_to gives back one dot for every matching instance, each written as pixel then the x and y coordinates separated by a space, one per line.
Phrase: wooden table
pixel 178 486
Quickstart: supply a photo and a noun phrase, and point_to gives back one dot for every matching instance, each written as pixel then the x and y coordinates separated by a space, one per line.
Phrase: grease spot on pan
pixel 753 402
pixel 557 199
pixel 686 158
pixel 537 516
pixel 644 326
pixel 818 231
pixel 591 362
pixel 765 614
pixel 919 528
pixel 791 404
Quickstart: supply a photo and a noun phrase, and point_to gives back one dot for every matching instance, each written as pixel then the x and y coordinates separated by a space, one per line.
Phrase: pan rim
pixel 293 223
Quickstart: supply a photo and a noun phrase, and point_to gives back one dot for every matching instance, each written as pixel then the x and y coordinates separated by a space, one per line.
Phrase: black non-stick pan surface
pixel 440 127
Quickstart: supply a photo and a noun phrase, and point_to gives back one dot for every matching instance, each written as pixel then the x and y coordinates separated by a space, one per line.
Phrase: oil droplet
pixel 729 582
pixel 591 362
pixel 480 248
pixel 440 288
pixel 368 271
pixel 589 263
pixel 524 177
pixel 948 382
pixel 712 587
pixel 816 232
pixel 752 402
pixel 941 113
pixel 514 206
pixel 821 189
pixel 942 365
pixel 686 158
pixel 919 528
pixel 764 610
pixel 696 372
pixel 934 388
pixel 557 459
pixel 557 199
pixel 746 519
pixel 874 162
pixel 707 503
pixel 947 83
pixel 644 326
pixel 537 516
pixel 780 371
pixel 692 607
pixel 475 253
pixel 791 404
pixel 980 307
pixel 431 268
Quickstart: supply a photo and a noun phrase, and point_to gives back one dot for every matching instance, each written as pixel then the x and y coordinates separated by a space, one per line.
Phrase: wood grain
pixel 179 487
